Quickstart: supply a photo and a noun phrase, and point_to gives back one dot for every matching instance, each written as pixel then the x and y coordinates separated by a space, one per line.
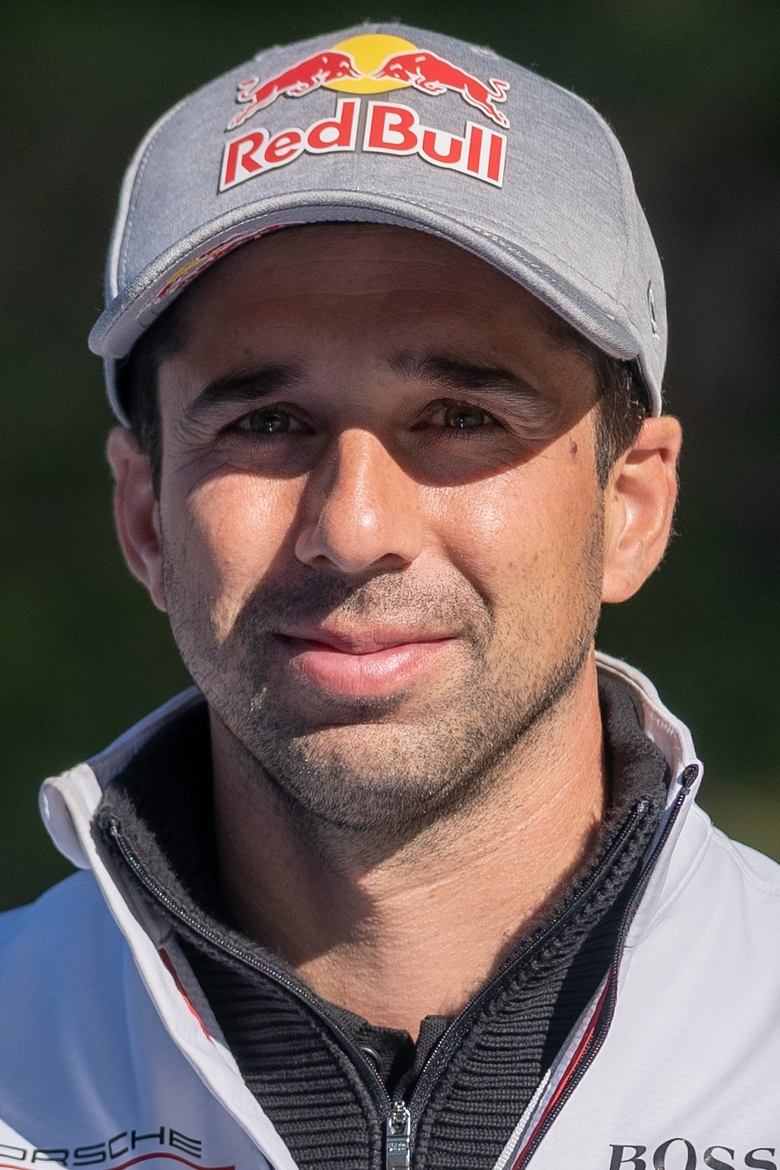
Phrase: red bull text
pixel 390 128
pixel 385 127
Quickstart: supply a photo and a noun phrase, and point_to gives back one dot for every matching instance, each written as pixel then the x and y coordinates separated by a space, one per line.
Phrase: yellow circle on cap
pixel 368 52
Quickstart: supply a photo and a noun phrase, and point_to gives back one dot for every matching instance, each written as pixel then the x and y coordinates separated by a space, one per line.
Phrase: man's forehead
pixel 408 315
pixel 344 251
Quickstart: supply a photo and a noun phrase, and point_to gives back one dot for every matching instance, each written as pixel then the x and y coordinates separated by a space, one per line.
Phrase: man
pixel 412 878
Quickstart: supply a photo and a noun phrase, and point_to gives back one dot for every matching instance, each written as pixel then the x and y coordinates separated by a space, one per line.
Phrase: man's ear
pixel 640 499
pixel 136 511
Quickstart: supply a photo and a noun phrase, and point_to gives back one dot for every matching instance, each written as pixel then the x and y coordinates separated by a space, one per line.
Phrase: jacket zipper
pixel 398 1138
pixel 394 1114
pixel 400 1118
pixel 608 1007
pixel 451 1038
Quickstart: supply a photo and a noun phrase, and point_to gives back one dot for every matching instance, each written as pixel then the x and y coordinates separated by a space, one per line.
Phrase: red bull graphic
pixel 251 154
pixel 392 128
pixel 361 65
pixel 299 79
pixel 433 74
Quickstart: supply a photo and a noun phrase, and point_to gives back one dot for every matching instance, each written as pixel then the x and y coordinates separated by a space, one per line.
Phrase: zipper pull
pixel 398 1150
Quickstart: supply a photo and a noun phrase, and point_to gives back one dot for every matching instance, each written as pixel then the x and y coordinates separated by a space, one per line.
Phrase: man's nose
pixel 360 509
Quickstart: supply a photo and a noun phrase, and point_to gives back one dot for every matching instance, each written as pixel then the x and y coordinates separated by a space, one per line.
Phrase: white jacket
pixel 110 1056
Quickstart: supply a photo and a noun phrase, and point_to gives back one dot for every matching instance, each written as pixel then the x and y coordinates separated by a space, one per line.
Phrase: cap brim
pixel 131 313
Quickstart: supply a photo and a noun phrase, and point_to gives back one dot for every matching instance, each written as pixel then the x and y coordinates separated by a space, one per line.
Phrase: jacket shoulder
pixel 754 868
pixel 55 925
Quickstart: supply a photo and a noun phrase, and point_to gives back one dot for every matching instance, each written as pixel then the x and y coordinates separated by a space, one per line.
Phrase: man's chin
pixel 363 752
pixel 388 781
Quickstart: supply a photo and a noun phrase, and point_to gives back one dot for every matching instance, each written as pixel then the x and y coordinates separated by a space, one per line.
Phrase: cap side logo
pixel 372 64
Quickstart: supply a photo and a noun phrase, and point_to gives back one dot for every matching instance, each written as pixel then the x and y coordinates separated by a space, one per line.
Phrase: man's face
pixel 382 532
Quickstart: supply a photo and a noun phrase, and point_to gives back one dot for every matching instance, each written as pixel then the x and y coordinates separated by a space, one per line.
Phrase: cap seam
pixel 116 265
pixel 132 207
pixel 621 165
pixel 535 244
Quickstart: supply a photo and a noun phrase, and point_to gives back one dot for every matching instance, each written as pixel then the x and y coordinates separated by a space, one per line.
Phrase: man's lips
pixel 366 641
pixel 362 663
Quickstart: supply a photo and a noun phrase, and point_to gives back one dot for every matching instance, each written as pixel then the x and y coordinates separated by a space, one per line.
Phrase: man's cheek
pixel 236 523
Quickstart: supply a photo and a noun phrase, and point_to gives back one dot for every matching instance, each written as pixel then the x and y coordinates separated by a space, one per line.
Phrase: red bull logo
pixel 433 74
pixel 370 64
pixel 299 79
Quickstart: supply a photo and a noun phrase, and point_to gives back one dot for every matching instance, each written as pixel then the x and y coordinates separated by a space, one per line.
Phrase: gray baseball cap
pixel 383 123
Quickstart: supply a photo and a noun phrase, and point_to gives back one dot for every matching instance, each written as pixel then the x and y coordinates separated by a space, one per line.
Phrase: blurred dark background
pixel 692 89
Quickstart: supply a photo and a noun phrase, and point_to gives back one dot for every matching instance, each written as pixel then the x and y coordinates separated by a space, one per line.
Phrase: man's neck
pixel 414 931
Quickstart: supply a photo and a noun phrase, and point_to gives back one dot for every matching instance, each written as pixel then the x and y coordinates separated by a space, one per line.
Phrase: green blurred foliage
pixel 693 91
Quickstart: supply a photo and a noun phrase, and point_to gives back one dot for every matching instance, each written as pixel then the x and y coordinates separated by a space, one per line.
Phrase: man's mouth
pixel 365 662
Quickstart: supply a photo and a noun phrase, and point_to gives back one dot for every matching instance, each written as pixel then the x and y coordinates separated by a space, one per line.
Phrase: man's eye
pixel 267 422
pixel 464 417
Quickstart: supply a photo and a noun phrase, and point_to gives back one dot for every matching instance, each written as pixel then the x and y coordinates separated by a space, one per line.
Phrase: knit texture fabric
pixel 316 1068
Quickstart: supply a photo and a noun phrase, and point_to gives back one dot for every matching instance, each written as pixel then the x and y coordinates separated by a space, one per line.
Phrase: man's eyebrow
pixel 242 388
pixel 462 375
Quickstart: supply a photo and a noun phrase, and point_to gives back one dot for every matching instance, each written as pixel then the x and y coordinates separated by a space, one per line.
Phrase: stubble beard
pixel 368 772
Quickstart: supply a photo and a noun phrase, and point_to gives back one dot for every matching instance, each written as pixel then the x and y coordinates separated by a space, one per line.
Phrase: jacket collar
pixel 68 801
